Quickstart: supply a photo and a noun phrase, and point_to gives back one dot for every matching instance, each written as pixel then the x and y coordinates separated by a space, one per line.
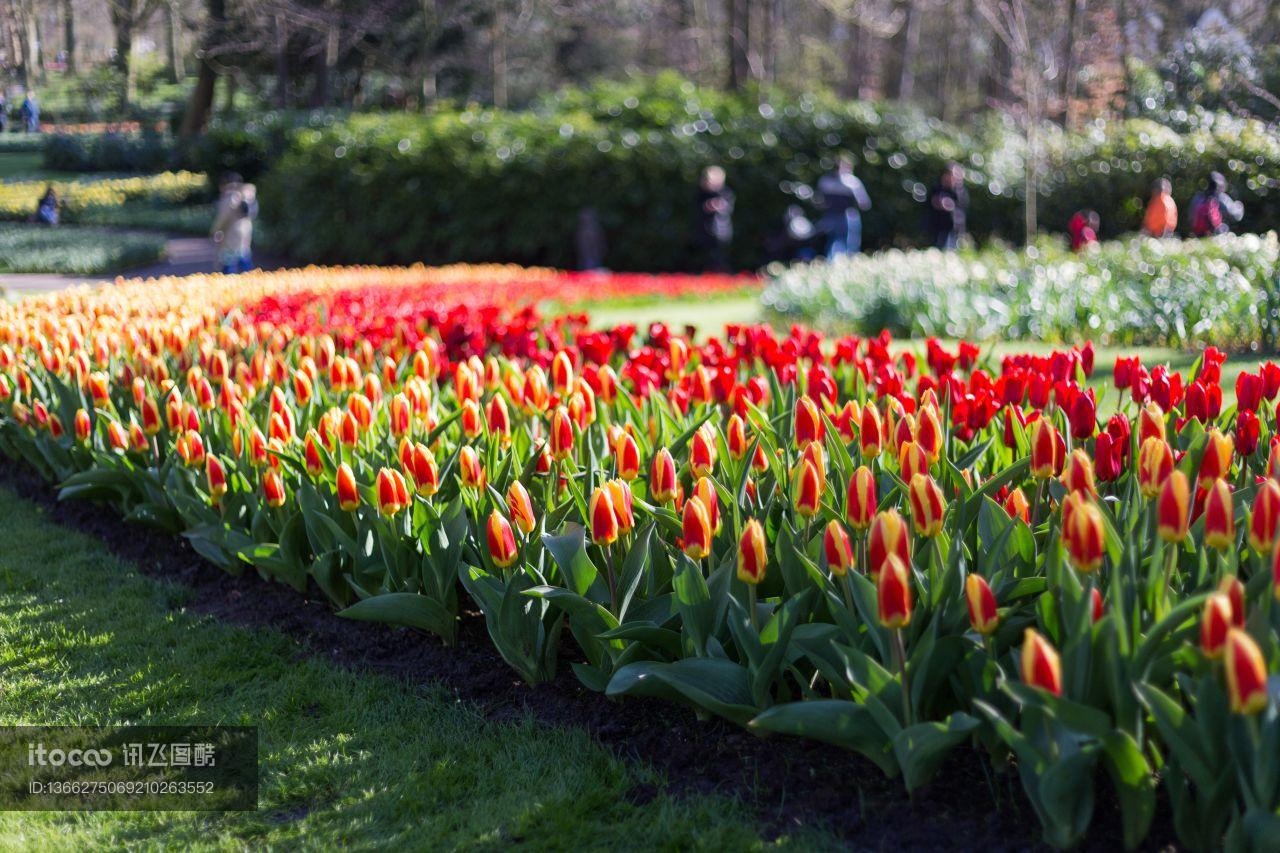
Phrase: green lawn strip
pixel 346 758
pixel 74 250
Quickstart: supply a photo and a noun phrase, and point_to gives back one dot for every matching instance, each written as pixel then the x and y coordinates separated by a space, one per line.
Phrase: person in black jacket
pixel 715 220
pixel 948 202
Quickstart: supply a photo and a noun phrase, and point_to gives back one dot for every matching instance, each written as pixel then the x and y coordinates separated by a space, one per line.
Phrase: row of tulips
pixel 900 553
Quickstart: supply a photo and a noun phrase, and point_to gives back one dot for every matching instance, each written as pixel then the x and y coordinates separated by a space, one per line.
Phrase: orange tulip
pixel 603 519
pixel 893 593
pixel 837 548
pixel 1017 506
pixel 561 434
pixel 662 477
pixel 1264 517
pixel 983 615
pixel 348 492
pixel 1215 623
pixel 393 492
pixel 702 453
pixel 502 542
pixel 1246 674
pixel 1219 517
pixel 861 504
pixel 150 416
pixel 471 469
pixel 1172 508
pixel 311 453
pixel 696 529
pixel 273 491
pixel 620 496
pixel 83 426
pixel 1155 464
pixel 927 505
pixel 753 553
pixel 1039 663
pixel 216 477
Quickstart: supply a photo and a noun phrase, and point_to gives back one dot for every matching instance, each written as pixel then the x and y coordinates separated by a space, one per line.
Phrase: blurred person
pixel 948 201
pixel 4 112
pixel 48 208
pixel 715 219
pixel 795 240
pixel 1161 219
pixel 588 240
pixel 232 230
pixel 30 112
pixel 1083 229
pixel 1211 206
pixel 844 200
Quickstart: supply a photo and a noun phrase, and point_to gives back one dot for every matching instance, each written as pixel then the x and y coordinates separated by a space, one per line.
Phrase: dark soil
pixel 788 782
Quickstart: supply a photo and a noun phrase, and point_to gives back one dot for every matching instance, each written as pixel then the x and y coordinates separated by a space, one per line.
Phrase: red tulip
pixel 348 492
pixel 620 497
pixel 1083 532
pixel 662 477
pixel 1246 674
pixel 561 434
pixel 702 453
pixel 1083 416
pixel 981 601
pixel 520 507
pixel 705 490
pixel 393 492
pixel 1039 664
pixel 1173 508
pixel 1017 506
pixel 1215 623
pixel 1264 518
pixel 1047 450
pixel 887 537
pixel 1233 589
pixel 83 426
pixel 736 437
pixel 870 432
pixel 216 477
pixel 1096 599
pixel 696 529
pixel 471 469
pixel 808 422
pixel 273 491
pixel 1219 517
pixel 753 553
pixel 1248 433
pixel 807 487
pixel 626 456
pixel 893 593
pixel 837 548
pixel 929 433
pixel 501 541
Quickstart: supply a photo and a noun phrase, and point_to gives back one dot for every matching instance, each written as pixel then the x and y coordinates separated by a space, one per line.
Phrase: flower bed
pixel 900 553
pixel 18 200
pixel 74 250
pixel 1140 291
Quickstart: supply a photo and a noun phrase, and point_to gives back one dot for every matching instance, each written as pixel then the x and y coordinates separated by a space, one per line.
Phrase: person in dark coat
pixel 948 203
pixel 715 220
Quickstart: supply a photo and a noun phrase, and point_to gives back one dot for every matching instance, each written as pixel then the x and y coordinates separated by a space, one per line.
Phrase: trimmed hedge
pixel 492 185
pixel 75 251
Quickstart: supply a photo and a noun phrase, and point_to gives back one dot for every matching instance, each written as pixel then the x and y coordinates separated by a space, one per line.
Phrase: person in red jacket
pixel 1083 229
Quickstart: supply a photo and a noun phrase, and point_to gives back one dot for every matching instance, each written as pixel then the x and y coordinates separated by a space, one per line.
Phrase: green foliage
pixel 1216 291
pixel 74 251
pixel 109 152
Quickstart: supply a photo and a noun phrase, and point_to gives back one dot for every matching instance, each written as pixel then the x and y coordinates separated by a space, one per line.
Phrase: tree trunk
pixel 229 94
pixel 173 41
pixel 1122 18
pixel 69 34
pixel 124 61
pixel 282 61
pixel 730 43
pixel 911 46
pixel 499 57
pixel 1075 21
pixel 201 103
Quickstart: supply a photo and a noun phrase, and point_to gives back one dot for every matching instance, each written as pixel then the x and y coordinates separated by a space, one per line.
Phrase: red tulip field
pixel 917 554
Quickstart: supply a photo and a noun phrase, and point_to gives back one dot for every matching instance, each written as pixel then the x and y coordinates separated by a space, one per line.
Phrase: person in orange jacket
pixel 1161 219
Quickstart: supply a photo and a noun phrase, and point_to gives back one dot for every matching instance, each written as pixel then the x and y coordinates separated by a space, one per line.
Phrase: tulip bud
pixel 702 453
pixel 1083 532
pixel 471 469
pixel 83 426
pixel 753 553
pixel 1273 460
pixel 1039 664
pixel 393 492
pixel 422 468
pixel 1155 463
pixel 561 434
pixel 116 438
pixel 520 507
pixel 912 460
pixel 502 542
pixel 929 433
pixel 1096 598
pixel 273 491
pixel 696 529
pixel 1215 623
pixel 498 418
pixel 348 493
pixel 870 432
pixel 1047 449
pixel 983 615
pixel 1216 462
pixel 662 477
pixel 626 456
pixel 620 497
pixel 1219 517
pixel 1275 571
pixel 887 537
pixel 603 519
pixel 561 372
pixel 1233 589
pixel 706 492
pixel 1172 508
pixel 311 454
pixel 1150 423
pixel 861 498
pixel 837 548
pixel 1264 516
pixel 893 593
pixel 809 425
pixel 1077 476
pixel 1246 674
pixel 927 505
pixel 807 487
pixel 735 437
pixel 216 477
pixel 1017 506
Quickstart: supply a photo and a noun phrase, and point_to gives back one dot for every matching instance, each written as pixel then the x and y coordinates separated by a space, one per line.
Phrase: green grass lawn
pixel 347 759
pixel 75 250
